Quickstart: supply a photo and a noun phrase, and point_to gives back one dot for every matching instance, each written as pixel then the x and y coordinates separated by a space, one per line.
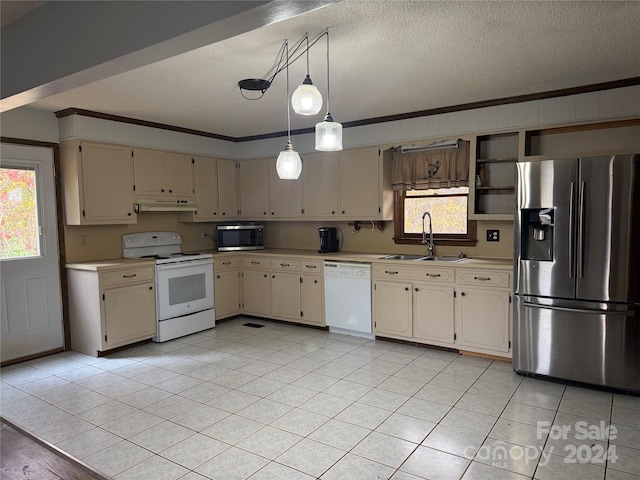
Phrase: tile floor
pixel 292 403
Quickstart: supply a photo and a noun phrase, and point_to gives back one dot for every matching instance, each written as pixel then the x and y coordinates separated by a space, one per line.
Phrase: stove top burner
pixel 155 257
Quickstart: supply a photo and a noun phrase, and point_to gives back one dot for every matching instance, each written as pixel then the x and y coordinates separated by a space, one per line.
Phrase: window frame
pixel 470 239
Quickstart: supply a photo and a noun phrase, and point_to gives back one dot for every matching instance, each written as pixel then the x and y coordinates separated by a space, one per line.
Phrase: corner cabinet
pixel 97 183
pixel 110 307
pixel 493 175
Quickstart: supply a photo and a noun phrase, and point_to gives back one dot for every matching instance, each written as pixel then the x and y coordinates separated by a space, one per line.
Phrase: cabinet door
pixel 227 188
pixel 205 173
pixel 254 188
pixel 433 310
pixel 226 291
pixel 359 184
pixel 178 171
pixel 107 185
pixel 148 172
pixel 285 295
pixel 285 196
pixel 483 319
pixel 312 300
pixel 257 294
pixel 320 180
pixel 129 314
pixel 393 310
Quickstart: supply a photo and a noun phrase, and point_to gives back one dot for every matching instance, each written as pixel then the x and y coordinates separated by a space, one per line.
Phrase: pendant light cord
pixel 306 36
pixel 328 94
pixel 286 43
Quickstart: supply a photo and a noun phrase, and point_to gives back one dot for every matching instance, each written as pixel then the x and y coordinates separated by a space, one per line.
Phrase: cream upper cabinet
pixel 483 312
pixel 285 196
pixel 205 173
pixel 159 174
pixel 364 185
pixel 320 179
pixel 97 183
pixel 228 189
pixel 254 188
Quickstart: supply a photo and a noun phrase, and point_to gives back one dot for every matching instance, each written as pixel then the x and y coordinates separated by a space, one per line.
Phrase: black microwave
pixel 240 237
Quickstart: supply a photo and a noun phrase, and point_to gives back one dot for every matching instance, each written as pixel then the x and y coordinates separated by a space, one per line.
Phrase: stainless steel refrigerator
pixel 577 270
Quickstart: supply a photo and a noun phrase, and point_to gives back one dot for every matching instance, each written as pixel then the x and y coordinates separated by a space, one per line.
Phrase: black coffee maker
pixel 328 240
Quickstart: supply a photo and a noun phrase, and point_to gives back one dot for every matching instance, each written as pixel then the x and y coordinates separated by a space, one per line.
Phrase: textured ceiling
pixel 387 57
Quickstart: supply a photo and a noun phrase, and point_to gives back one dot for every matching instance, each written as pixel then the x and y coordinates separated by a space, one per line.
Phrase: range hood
pixel 144 205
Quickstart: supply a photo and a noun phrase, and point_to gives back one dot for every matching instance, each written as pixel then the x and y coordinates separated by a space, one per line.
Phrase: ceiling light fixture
pixel 288 164
pixel 306 99
pixel 328 132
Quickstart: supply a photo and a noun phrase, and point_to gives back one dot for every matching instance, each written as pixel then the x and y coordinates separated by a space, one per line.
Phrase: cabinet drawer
pixel 312 266
pixel 260 263
pixel 285 264
pixel 491 278
pixel 129 275
pixel 418 272
pixel 226 263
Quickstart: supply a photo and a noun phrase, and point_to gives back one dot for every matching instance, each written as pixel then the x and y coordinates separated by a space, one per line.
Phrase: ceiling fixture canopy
pixel 288 164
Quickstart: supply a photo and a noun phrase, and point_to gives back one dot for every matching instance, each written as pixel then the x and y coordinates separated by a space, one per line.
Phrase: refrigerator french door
pixel 577 270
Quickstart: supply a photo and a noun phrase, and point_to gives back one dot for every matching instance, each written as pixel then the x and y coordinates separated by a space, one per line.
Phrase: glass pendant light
pixel 306 100
pixel 328 132
pixel 288 164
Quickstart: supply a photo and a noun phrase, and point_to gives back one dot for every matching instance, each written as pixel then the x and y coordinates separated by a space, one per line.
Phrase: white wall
pixel 29 124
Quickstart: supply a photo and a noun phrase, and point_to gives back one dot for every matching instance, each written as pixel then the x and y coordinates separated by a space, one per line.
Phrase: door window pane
pixel 18 213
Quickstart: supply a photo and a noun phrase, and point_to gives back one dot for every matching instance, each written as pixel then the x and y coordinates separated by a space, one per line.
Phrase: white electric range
pixel 184 283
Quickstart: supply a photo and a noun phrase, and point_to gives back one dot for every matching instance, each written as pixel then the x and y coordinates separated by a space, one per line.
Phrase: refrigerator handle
pixel 580 255
pixel 628 313
pixel 572 201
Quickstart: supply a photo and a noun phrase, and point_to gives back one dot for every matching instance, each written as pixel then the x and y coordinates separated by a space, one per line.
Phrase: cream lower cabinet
pixel 414 303
pixel 256 286
pixel 285 295
pixel 111 308
pixel 393 309
pixel 226 286
pixel 312 293
pixel 483 312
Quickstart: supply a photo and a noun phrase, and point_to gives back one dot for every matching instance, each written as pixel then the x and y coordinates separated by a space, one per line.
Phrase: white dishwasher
pixel 347 297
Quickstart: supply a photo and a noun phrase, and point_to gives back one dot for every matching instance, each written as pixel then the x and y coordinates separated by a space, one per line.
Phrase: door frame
pixel 55 148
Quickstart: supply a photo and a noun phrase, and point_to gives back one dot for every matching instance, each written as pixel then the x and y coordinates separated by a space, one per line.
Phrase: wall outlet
pixel 84 240
pixel 493 235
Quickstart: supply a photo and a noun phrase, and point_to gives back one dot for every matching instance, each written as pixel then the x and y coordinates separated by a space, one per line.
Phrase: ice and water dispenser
pixel 537 234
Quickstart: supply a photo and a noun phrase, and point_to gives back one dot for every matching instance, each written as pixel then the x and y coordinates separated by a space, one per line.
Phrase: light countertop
pixel 111 264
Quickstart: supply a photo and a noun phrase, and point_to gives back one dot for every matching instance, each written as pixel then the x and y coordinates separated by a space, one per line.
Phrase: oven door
pixel 183 288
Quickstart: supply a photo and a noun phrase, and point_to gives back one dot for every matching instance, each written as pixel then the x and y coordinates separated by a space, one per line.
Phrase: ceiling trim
pixel 627 82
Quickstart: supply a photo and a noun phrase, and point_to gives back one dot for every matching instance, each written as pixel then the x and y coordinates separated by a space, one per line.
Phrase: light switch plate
pixel 493 235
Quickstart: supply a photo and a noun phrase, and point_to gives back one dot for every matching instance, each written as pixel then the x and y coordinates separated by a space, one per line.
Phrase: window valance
pixel 431 168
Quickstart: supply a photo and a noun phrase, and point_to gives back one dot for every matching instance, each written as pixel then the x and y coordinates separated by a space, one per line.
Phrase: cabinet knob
pixel 333 212
pixel 162 190
pixel 214 213
pixel 218 276
pixel 224 213
pixel 265 275
pixel 463 294
pixel 170 191
pixel 273 276
pixel 406 289
pixel 129 213
pixel 343 212
pixel 264 213
pixel 272 213
pixel 150 288
pixel 315 281
pixel 417 290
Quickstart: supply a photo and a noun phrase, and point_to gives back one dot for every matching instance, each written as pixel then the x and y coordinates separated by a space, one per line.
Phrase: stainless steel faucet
pixel 424 234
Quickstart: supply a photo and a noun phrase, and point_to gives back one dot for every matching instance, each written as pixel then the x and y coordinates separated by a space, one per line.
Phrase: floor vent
pixel 253 325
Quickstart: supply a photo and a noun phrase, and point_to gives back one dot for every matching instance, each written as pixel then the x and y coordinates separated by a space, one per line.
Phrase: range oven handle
pixel 627 313
pixel 187 264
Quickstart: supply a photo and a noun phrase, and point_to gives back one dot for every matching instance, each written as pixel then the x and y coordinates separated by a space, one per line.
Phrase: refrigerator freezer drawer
pixel 582 345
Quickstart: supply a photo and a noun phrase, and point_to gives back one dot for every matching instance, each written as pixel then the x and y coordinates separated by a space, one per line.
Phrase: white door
pixel 30 298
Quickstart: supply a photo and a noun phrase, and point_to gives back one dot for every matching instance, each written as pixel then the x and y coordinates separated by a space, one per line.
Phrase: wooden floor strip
pixel 25 456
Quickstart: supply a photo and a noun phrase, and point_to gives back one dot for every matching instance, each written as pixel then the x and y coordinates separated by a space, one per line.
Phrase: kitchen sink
pixel 442 259
pixel 402 257
pixel 423 258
